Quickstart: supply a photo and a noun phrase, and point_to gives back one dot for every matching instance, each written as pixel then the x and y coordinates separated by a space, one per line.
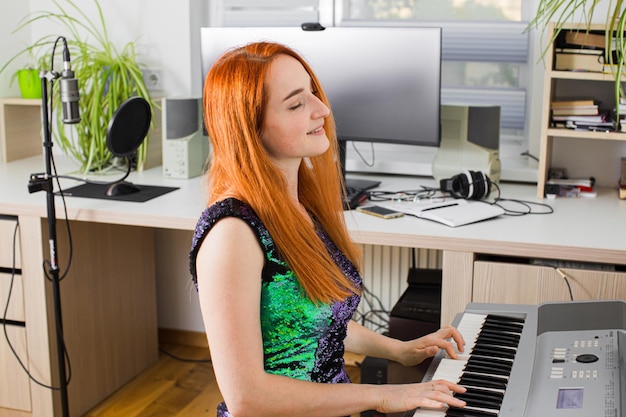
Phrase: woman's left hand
pixel 415 351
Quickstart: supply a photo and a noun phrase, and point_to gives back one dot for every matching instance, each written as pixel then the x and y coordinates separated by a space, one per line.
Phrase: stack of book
pixel 583 114
pixel 565 187
pixel 580 51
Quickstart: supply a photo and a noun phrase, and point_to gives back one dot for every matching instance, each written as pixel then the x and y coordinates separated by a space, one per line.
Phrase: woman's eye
pixel 295 106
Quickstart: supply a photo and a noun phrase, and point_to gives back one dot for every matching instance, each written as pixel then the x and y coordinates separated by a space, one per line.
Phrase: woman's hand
pixel 433 394
pixel 415 351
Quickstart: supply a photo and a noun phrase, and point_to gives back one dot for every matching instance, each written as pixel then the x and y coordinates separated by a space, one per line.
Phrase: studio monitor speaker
pixel 470 141
pixel 185 147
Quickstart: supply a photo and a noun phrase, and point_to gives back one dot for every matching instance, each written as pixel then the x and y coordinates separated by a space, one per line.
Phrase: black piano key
pixel 503 327
pixel 504 323
pixel 509 319
pixel 465 412
pixel 510 338
pixel 496 340
pixel 479 402
pixel 486 369
pixel 493 351
pixel 484 381
pixel 484 393
pixel 500 333
pixel 475 365
pixel 498 363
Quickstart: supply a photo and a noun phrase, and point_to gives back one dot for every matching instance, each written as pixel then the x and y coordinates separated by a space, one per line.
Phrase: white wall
pixel 164 34
pixel 10 44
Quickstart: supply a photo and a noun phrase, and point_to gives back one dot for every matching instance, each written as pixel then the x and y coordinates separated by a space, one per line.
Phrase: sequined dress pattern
pixel 301 339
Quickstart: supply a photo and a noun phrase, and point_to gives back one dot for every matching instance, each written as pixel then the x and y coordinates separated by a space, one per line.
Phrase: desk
pixel 109 298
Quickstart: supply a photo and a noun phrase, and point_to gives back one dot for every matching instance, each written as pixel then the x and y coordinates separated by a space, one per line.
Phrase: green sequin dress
pixel 301 339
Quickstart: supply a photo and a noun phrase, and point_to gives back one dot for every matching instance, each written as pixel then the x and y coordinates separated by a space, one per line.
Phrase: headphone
pixel 470 185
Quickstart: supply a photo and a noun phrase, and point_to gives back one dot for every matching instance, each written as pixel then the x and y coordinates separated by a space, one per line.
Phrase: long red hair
pixel 234 101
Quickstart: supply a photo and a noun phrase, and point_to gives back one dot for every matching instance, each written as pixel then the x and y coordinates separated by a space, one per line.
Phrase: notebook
pixel 452 213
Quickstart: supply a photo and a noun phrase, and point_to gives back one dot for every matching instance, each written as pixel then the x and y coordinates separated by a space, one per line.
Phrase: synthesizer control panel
pixel 577 373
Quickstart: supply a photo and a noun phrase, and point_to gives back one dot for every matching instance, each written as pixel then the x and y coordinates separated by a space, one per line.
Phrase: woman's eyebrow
pixel 293 93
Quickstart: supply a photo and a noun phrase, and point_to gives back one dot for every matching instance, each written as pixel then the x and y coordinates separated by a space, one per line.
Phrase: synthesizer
pixel 556 359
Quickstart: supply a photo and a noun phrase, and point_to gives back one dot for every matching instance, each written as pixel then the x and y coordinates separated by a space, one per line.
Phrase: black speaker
pixel 469 185
pixel 373 371
pixel 416 314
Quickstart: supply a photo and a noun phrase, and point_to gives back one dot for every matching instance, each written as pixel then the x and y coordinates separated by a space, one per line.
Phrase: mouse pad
pixel 146 192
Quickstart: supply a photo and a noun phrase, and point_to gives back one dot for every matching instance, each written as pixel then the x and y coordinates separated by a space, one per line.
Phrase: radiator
pixel 385 270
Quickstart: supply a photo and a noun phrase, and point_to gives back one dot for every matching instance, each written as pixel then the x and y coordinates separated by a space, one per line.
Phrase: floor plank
pixel 175 388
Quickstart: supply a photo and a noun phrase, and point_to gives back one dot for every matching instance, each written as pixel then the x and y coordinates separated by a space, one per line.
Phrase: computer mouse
pixel 121 188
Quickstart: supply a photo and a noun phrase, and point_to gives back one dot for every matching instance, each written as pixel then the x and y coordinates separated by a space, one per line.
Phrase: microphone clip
pixel 39 182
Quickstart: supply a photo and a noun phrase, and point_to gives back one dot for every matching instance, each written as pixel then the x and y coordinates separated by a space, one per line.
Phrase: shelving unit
pixel 20 128
pixel 20 131
pixel 548 133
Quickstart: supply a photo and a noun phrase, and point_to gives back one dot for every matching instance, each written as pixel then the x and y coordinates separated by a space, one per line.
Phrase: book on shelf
pixel 585 51
pixel 598 118
pixel 572 103
pixel 572 187
pixel 575 111
pixel 585 38
pixel 578 62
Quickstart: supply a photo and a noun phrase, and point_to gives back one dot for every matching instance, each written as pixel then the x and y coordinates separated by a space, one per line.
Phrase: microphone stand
pixel 39 182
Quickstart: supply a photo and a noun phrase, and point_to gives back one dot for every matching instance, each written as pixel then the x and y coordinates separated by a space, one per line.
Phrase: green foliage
pixel 107 77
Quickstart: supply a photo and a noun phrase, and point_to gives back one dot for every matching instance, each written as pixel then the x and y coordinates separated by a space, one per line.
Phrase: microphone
pixel 69 91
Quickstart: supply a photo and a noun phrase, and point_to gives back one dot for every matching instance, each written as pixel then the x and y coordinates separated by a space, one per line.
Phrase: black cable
pixel 369 164
pixel 380 315
pixel 6 312
pixel 181 359
pixel 528 154
pixel 526 207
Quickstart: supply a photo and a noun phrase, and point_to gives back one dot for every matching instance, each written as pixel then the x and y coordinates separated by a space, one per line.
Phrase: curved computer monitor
pixel 384 84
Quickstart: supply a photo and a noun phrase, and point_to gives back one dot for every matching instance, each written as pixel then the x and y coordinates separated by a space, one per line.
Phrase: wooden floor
pixel 175 388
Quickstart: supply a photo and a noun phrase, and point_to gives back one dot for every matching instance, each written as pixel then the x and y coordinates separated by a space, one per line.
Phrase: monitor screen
pixel 384 84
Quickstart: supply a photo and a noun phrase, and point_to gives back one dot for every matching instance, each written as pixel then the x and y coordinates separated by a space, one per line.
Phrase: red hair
pixel 233 103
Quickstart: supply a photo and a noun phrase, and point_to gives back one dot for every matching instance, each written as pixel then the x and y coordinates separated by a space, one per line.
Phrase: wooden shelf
pixel 581 134
pixel 20 128
pixel 21 132
pixel 558 82
pixel 582 75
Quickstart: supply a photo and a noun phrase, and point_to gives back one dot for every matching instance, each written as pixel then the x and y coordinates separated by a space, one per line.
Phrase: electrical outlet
pixel 152 79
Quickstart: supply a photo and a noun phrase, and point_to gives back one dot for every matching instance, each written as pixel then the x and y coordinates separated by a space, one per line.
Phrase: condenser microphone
pixel 69 91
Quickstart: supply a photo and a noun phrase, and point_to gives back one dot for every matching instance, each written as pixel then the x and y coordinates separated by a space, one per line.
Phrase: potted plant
pixel 107 77
pixel 563 12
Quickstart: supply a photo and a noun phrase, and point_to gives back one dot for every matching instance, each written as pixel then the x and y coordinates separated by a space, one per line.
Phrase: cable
pixel 566 279
pixel 376 315
pixel 178 358
pixel 438 195
pixel 528 205
pixel 369 164
pixel 6 312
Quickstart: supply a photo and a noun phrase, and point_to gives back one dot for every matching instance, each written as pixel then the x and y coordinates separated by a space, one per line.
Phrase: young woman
pixel 271 257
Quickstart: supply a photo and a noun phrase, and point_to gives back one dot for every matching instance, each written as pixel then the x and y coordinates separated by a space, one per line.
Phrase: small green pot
pixel 29 83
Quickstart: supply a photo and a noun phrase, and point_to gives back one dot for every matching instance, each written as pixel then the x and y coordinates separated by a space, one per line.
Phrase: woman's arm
pixel 229 266
pixel 367 342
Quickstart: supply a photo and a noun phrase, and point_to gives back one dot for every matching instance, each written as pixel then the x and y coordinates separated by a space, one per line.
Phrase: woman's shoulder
pixel 238 212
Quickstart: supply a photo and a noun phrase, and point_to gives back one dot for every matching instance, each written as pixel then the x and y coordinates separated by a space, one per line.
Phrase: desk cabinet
pixel 14 383
pixel 510 283
pixel 108 302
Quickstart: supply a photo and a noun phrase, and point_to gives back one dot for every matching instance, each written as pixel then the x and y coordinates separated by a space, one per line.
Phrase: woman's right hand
pixel 433 394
